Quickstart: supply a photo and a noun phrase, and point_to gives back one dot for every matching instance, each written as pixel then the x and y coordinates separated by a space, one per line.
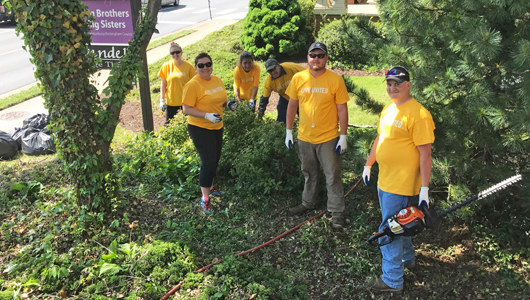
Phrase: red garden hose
pixel 205 268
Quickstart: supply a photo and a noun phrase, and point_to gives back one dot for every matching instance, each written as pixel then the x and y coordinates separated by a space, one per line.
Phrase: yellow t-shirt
pixel 176 77
pixel 279 85
pixel 317 103
pixel 401 129
pixel 246 81
pixel 205 95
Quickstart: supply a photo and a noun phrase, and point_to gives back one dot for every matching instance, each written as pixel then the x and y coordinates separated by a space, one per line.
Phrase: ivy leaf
pixel 109 269
pixel 48 57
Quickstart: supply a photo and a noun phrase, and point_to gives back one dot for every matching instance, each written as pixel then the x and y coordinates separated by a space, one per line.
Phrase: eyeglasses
pixel 175 52
pixel 208 64
pixel 320 55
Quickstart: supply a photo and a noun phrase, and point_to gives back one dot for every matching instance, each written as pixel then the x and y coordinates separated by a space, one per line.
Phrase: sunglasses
pixel 320 55
pixel 175 52
pixel 208 64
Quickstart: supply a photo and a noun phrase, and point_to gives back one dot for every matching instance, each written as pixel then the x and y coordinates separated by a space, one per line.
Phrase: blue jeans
pixel 400 251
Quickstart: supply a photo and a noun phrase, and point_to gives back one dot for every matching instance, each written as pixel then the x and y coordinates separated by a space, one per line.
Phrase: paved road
pixel 17 71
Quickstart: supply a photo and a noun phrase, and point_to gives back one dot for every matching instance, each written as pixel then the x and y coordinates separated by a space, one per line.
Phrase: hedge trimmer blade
pixel 485 193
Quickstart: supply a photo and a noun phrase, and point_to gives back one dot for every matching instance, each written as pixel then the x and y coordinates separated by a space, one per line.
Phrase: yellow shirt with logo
pixel 205 95
pixel 317 102
pixel 279 85
pixel 176 77
pixel 401 129
pixel 246 81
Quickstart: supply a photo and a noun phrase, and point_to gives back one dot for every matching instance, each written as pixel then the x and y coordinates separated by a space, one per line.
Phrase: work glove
pixel 424 197
pixel 163 105
pixel 212 117
pixel 341 145
pixel 251 104
pixel 289 142
pixel 232 105
pixel 366 175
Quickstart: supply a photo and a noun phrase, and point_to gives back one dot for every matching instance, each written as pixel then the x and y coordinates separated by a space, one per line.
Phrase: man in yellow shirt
pixel 321 97
pixel 279 77
pixel 402 149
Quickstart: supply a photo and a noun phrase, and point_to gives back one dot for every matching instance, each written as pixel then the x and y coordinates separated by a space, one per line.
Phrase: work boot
pixel 337 221
pixel 298 210
pixel 379 285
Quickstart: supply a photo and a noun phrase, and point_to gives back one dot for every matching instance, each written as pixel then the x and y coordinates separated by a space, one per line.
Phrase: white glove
pixel 289 142
pixel 341 145
pixel 163 105
pixel 366 175
pixel 424 196
pixel 214 118
pixel 251 104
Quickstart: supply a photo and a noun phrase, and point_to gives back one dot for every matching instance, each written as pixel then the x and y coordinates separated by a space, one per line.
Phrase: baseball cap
pixel 318 45
pixel 270 64
pixel 397 73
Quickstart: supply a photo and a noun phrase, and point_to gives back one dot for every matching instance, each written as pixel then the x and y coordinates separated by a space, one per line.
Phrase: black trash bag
pixel 39 121
pixel 37 143
pixel 8 146
pixel 19 133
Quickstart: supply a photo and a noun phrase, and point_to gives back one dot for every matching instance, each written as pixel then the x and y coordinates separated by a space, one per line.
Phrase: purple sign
pixel 113 24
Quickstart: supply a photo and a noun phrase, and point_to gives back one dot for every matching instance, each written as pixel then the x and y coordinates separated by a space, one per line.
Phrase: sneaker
pixel 379 285
pixel 298 210
pixel 338 222
pixel 205 205
pixel 215 192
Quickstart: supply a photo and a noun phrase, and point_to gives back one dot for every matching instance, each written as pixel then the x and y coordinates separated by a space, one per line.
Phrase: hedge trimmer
pixel 412 220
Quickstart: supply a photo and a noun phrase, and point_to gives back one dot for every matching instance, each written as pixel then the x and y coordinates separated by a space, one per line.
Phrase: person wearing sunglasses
pixel 204 97
pixel 246 79
pixel 402 150
pixel 322 98
pixel 279 77
pixel 174 74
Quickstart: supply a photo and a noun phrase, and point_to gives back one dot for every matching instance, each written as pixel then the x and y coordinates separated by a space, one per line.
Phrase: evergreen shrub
pixel 254 155
pixel 275 28
pixel 354 43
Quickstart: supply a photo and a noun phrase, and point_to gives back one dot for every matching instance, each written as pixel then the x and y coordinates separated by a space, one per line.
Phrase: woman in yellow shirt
pixel 204 97
pixel 246 79
pixel 174 74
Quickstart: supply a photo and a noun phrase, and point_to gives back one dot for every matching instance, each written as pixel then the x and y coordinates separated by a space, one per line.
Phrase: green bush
pixel 275 28
pixel 255 157
pixel 356 43
pixel 165 163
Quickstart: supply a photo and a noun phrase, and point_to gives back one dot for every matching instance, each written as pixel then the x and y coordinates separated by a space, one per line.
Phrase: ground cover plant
pixel 156 235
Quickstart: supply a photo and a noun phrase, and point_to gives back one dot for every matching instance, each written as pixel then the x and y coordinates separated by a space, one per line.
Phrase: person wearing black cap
pixel 246 79
pixel 279 77
pixel 321 97
pixel 402 149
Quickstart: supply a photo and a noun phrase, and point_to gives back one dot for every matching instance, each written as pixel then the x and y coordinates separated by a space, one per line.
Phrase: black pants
pixel 171 111
pixel 208 143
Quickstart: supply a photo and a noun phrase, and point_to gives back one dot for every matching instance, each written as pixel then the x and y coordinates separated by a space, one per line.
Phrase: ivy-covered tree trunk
pixel 56 34
pixel 470 62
